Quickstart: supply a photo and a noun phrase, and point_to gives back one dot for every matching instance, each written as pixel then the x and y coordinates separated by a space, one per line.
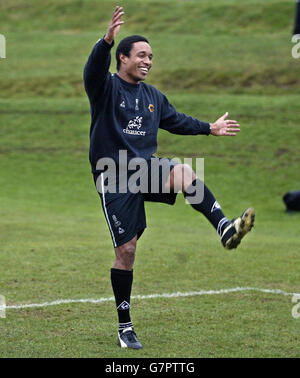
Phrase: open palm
pixel 224 127
pixel 114 25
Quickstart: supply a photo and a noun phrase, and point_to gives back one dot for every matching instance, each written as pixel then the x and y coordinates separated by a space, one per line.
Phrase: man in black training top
pixel 126 115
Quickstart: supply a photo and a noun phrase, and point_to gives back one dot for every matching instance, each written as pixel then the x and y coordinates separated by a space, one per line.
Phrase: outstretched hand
pixel 224 127
pixel 114 25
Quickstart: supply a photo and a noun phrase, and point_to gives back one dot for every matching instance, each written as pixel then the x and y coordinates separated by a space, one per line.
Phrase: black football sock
pixel 209 206
pixel 121 281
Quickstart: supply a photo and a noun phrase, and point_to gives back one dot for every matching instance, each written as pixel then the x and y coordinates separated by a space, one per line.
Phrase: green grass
pixel 236 46
pixel 54 241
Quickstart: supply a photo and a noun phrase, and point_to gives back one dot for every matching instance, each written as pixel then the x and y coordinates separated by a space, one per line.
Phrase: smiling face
pixel 136 67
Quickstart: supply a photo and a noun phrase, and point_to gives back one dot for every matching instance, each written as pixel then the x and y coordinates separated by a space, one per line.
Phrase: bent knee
pixel 183 176
pixel 127 249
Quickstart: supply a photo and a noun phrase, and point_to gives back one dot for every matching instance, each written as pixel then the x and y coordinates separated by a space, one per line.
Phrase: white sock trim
pixel 221 224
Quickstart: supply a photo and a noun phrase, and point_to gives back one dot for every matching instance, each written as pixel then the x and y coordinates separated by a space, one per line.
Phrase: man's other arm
pixel 179 123
pixel 97 66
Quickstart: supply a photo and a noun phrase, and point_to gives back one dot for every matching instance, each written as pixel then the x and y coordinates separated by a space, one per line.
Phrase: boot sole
pixel 243 227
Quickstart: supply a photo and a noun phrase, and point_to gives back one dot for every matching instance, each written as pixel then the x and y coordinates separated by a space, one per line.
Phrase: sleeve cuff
pixel 105 44
pixel 205 128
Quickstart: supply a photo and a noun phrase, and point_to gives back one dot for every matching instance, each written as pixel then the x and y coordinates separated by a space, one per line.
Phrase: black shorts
pixel 125 212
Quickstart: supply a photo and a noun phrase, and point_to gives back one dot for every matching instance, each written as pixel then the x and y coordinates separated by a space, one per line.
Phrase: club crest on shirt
pixel 134 126
pixel 151 108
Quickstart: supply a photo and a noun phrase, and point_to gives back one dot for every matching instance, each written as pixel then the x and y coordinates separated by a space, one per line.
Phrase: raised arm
pixel 97 66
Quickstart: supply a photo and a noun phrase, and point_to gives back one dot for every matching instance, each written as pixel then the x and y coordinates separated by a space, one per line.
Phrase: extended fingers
pixel 116 18
pixel 230 122
pixel 118 13
pixel 117 9
pixel 233 127
pixel 231 131
pixel 117 23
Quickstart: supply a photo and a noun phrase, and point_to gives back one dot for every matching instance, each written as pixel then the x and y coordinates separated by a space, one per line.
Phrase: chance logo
pixel 134 126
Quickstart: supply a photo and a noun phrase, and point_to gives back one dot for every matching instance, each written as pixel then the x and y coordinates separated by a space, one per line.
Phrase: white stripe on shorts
pixel 105 211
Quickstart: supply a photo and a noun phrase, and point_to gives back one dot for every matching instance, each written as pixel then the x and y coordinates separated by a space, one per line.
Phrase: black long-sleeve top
pixel 127 116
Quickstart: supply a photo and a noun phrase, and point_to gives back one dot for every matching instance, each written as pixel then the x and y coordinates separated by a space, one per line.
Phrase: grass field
pixel 224 55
